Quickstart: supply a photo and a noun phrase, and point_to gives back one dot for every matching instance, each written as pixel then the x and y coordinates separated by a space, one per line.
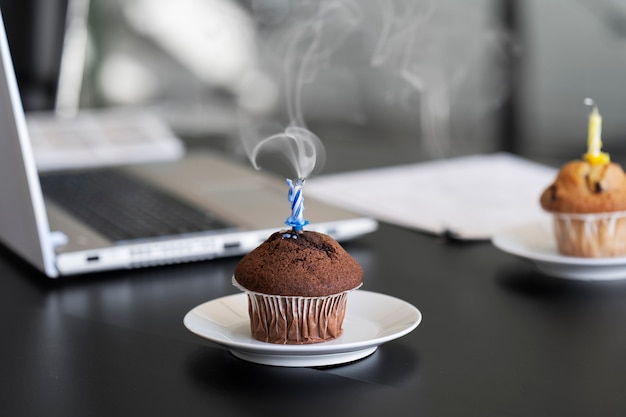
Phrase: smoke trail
pixel 299 145
pixel 428 45
pixel 431 53
pixel 310 44
pixel 407 47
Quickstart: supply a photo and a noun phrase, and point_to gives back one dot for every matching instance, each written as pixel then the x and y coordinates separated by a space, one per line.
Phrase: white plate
pixel 371 319
pixel 535 242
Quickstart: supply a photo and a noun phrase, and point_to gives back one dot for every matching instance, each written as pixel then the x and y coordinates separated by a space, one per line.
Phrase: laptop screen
pixel 35 30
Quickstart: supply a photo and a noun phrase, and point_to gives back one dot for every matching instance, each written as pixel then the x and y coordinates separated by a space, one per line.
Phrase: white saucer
pixel 371 319
pixel 535 242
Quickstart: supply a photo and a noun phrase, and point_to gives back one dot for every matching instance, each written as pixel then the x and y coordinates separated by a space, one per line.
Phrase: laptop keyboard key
pixel 123 208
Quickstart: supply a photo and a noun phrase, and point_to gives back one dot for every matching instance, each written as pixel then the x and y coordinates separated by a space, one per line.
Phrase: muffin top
pixel 305 263
pixel 581 187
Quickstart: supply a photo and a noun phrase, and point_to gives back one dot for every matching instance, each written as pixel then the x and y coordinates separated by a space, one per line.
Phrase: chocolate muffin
pixel 297 285
pixel 588 202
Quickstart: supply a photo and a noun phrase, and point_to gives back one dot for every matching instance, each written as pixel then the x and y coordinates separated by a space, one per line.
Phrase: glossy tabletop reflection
pixel 497 338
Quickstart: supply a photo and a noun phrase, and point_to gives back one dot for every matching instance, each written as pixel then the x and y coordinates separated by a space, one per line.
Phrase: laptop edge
pixel 31 236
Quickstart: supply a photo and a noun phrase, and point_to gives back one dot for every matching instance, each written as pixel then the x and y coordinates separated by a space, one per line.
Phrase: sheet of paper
pixel 467 197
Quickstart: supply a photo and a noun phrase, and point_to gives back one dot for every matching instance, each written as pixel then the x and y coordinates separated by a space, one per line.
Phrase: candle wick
pixel 590 102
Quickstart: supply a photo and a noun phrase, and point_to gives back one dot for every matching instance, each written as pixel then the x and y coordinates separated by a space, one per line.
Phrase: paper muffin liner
pixel 597 235
pixel 294 319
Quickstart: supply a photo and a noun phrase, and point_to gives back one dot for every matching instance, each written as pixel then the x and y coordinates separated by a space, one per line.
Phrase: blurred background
pixel 432 78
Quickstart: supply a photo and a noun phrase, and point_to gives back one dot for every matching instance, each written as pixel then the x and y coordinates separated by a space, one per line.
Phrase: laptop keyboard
pixel 122 207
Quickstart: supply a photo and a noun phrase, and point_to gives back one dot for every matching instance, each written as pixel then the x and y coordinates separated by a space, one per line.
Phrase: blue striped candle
pixel 296 220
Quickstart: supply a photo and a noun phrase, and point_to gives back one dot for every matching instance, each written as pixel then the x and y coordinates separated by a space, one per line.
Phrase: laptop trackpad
pixel 263 206
pixel 258 207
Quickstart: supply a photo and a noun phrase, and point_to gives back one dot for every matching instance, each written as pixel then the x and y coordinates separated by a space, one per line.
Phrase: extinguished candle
pixel 594 154
pixel 296 220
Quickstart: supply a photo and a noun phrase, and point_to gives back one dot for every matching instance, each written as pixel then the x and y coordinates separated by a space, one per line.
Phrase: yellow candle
pixel 594 143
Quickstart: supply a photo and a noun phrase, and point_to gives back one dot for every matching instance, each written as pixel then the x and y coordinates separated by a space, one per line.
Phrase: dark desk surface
pixel 497 339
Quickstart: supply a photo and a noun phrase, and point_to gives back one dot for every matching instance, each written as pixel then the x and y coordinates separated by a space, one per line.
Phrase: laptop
pixel 61 234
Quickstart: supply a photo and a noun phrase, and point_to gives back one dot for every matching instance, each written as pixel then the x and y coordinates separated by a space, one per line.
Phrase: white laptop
pixel 55 233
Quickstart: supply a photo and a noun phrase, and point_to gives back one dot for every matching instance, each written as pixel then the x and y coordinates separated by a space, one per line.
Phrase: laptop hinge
pixel 58 238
